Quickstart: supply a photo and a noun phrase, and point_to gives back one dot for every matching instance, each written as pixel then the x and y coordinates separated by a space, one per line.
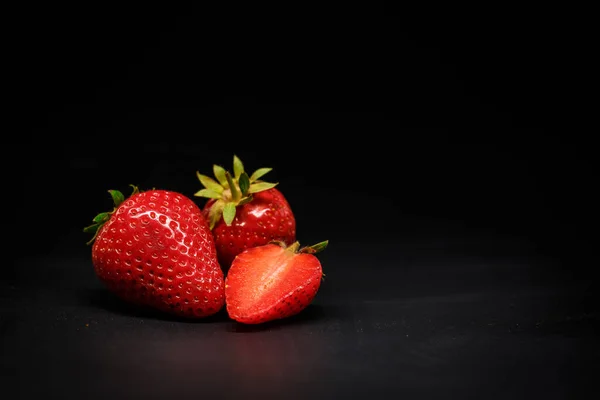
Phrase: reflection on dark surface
pixel 276 363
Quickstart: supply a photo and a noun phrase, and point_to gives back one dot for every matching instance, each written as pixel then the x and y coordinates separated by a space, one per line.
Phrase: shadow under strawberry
pixel 106 300
pixel 310 314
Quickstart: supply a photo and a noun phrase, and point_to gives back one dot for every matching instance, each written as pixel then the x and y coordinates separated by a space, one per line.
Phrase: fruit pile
pixel 159 249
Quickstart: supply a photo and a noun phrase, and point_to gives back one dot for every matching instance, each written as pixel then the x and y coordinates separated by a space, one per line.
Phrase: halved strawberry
pixel 244 211
pixel 272 282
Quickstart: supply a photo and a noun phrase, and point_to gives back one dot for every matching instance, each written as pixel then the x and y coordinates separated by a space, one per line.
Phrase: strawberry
pixel 155 249
pixel 244 211
pixel 272 282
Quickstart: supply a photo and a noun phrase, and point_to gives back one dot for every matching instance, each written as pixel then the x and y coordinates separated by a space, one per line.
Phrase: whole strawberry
pixel 155 249
pixel 272 282
pixel 244 211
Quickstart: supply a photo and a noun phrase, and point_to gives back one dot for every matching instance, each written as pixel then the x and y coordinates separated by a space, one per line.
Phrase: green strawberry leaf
pixel 259 173
pixel 95 229
pixel 220 175
pixel 238 167
pixel 261 186
pixel 102 217
pixel 244 184
pixel 315 248
pixel 245 200
pixel 209 183
pixel 207 193
pixel 117 197
pixel 229 213
pixel 215 212
pixel 91 228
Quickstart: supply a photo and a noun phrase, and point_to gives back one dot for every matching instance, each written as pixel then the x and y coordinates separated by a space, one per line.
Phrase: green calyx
pixel 295 247
pixel 230 191
pixel 315 248
pixel 100 219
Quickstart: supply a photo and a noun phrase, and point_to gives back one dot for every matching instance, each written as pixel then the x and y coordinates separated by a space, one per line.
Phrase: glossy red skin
pixel 254 294
pixel 157 250
pixel 267 217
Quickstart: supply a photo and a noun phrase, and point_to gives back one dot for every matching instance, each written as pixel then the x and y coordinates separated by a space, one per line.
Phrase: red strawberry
pixel 244 211
pixel 155 249
pixel 272 282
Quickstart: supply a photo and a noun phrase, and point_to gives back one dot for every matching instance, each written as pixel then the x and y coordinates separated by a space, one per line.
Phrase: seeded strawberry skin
pixel 157 250
pixel 266 218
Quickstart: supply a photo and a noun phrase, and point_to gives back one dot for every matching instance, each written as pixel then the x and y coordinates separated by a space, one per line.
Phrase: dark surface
pixel 458 206
pixel 462 316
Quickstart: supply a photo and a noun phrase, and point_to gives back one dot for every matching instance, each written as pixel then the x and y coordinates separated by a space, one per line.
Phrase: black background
pixel 445 160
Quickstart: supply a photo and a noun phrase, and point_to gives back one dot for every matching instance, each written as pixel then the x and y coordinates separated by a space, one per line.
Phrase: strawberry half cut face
pixel 272 282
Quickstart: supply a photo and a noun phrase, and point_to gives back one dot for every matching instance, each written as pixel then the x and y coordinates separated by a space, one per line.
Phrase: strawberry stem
pixel 235 194
pixel 294 247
